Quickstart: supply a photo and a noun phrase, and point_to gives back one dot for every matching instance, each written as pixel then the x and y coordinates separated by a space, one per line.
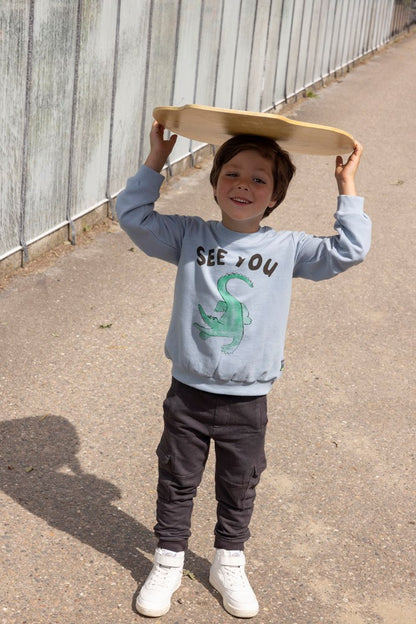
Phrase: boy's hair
pixel 283 168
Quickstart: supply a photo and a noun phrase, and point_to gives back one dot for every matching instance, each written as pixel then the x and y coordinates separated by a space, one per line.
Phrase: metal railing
pixel 80 80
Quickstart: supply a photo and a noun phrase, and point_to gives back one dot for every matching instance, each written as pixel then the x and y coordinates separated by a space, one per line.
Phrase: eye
pixel 259 181
pixel 231 174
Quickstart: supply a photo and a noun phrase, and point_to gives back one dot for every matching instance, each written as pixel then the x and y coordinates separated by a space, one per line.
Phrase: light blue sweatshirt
pixel 233 290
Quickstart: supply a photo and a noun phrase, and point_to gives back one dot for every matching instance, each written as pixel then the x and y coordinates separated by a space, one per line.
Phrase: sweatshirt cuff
pixel 350 204
pixel 151 174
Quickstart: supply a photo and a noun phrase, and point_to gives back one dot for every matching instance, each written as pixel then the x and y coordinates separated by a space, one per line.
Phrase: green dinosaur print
pixel 234 316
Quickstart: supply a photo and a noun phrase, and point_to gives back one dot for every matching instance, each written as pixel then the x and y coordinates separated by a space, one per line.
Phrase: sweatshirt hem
pixel 208 384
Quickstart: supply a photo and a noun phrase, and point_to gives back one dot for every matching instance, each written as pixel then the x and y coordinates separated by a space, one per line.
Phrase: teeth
pixel 240 201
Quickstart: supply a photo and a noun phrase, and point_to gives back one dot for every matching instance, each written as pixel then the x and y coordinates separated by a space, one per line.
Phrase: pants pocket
pixel 239 495
pixel 173 483
pixel 252 484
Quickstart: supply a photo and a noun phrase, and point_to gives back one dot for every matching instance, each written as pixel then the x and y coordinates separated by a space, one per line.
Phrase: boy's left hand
pixel 345 173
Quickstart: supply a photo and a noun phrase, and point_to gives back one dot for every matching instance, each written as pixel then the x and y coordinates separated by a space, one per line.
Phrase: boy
pixel 226 340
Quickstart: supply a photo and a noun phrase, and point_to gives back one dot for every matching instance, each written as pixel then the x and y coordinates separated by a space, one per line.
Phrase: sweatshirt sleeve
pixel 319 258
pixel 157 235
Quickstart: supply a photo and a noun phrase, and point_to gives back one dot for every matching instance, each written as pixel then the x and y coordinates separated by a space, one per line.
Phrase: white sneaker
pixel 164 578
pixel 229 579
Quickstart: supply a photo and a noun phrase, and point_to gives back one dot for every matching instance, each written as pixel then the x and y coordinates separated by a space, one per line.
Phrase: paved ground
pixel 83 376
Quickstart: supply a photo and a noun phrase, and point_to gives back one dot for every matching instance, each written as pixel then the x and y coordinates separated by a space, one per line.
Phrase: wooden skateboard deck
pixel 214 126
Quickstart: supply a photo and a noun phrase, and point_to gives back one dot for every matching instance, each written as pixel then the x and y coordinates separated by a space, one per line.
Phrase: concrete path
pixel 83 376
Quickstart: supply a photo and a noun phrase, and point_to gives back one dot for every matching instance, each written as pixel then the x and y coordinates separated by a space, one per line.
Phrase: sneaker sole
pixel 241 613
pixel 153 612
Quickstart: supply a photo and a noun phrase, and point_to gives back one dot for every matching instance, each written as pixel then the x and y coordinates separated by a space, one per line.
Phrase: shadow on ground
pixel 40 470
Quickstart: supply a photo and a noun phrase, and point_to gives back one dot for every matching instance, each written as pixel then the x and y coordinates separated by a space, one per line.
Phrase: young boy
pixel 226 340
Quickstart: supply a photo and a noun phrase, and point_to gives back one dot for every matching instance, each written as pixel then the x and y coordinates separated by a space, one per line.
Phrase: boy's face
pixel 244 190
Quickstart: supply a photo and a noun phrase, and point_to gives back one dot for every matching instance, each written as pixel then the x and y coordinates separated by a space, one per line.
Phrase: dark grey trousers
pixel 192 418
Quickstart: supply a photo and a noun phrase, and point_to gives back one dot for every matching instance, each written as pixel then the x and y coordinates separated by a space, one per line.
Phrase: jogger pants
pixel 237 425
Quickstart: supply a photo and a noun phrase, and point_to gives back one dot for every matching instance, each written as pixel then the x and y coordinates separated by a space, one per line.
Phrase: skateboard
pixel 214 126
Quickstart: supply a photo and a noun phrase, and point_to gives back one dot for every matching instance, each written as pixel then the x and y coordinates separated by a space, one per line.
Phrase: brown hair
pixel 283 168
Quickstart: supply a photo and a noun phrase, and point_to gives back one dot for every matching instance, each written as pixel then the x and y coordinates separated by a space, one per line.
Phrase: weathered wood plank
pixel 162 59
pixel 88 180
pixel 186 64
pixel 208 52
pixel 130 92
pixel 228 42
pixel 14 28
pixel 51 88
pixel 254 88
pixel 244 48
pixel 272 55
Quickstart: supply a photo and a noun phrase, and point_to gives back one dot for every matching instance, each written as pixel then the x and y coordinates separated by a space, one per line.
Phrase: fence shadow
pixel 35 455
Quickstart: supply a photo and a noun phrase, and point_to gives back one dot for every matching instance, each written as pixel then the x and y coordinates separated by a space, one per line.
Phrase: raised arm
pixel 321 257
pixel 157 235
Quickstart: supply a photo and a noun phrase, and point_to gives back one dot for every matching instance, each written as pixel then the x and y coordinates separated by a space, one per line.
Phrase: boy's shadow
pixel 33 453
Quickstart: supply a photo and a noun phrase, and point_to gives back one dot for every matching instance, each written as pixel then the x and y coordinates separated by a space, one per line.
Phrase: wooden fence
pixel 80 79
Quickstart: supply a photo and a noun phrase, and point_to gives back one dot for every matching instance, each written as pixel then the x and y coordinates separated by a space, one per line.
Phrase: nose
pixel 242 184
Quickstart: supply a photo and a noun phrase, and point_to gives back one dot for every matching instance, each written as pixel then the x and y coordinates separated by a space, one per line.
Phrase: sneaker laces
pixel 235 576
pixel 160 576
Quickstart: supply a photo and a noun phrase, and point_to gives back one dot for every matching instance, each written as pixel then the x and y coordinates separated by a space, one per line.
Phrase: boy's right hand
pixel 159 147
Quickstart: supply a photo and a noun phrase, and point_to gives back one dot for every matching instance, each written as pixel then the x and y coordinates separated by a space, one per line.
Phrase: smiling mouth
pixel 241 201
